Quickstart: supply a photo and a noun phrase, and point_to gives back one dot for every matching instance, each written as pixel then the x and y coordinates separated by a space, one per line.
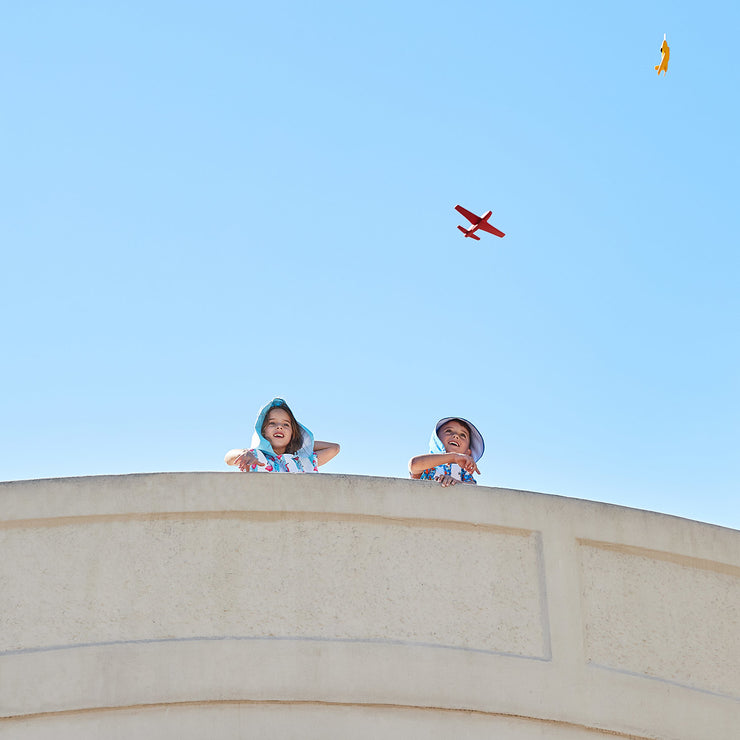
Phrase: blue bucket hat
pixel 477 446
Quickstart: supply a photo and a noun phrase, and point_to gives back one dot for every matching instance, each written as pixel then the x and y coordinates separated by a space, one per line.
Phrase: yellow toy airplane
pixel 666 52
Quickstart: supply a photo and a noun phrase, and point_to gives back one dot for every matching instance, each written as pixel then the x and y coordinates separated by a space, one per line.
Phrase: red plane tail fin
pixel 468 233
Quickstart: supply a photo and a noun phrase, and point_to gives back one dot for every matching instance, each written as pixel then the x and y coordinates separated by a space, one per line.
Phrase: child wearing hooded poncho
pixel 454 449
pixel 281 445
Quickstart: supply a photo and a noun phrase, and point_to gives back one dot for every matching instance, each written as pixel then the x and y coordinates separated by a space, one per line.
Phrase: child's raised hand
pixel 467 463
pixel 246 460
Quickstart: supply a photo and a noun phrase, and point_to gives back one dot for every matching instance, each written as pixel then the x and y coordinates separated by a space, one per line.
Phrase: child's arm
pixel 231 455
pixel 243 458
pixel 325 451
pixel 420 463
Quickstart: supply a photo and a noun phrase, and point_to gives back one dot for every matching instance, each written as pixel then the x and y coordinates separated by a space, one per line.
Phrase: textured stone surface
pixel 333 578
pixel 668 618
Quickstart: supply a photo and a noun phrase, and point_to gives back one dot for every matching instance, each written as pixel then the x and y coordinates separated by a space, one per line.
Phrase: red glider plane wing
pixel 470 216
pixel 485 226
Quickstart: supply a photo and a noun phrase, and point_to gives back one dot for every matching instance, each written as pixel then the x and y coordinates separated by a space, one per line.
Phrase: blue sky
pixel 206 205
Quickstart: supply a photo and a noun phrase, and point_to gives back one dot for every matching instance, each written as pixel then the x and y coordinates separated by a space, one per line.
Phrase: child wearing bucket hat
pixel 454 449
pixel 281 445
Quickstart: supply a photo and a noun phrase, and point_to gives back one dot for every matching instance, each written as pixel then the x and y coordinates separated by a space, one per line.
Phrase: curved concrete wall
pixel 232 606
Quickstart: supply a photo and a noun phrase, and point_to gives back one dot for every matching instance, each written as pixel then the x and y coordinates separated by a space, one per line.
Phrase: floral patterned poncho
pixel 286 463
pixel 454 470
pixel 303 461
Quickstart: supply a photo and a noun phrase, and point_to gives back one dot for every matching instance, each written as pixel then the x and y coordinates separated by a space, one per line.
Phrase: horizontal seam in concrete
pixel 668 557
pixel 265 516
pixel 660 679
pixel 331 704
pixel 271 638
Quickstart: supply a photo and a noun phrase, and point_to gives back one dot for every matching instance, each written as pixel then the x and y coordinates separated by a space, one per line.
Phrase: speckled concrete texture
pixel 672 620
pixel 229 575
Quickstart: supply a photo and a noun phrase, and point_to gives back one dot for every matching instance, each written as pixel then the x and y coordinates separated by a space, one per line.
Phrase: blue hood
pixel 260 443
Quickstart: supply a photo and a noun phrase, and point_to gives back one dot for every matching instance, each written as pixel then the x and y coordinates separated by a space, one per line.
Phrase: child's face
pixel 278 430
pixel 454 437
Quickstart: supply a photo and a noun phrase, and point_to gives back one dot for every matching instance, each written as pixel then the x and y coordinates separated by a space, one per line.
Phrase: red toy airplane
pixel 479 222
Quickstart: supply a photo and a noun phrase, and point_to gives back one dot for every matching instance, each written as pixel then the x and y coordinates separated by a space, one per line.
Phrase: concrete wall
pixel 223 605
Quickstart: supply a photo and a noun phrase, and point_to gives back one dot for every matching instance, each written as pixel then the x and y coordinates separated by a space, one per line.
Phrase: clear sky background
pixel 208 204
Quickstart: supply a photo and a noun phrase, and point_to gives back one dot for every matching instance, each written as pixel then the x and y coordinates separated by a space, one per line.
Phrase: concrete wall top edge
pixel 193 492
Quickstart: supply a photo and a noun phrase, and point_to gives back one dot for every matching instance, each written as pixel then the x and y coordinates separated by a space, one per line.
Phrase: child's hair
pixel 296 436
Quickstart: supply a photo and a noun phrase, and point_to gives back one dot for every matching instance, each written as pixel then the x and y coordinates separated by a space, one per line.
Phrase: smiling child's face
pixel 278 430
pixel 454 437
